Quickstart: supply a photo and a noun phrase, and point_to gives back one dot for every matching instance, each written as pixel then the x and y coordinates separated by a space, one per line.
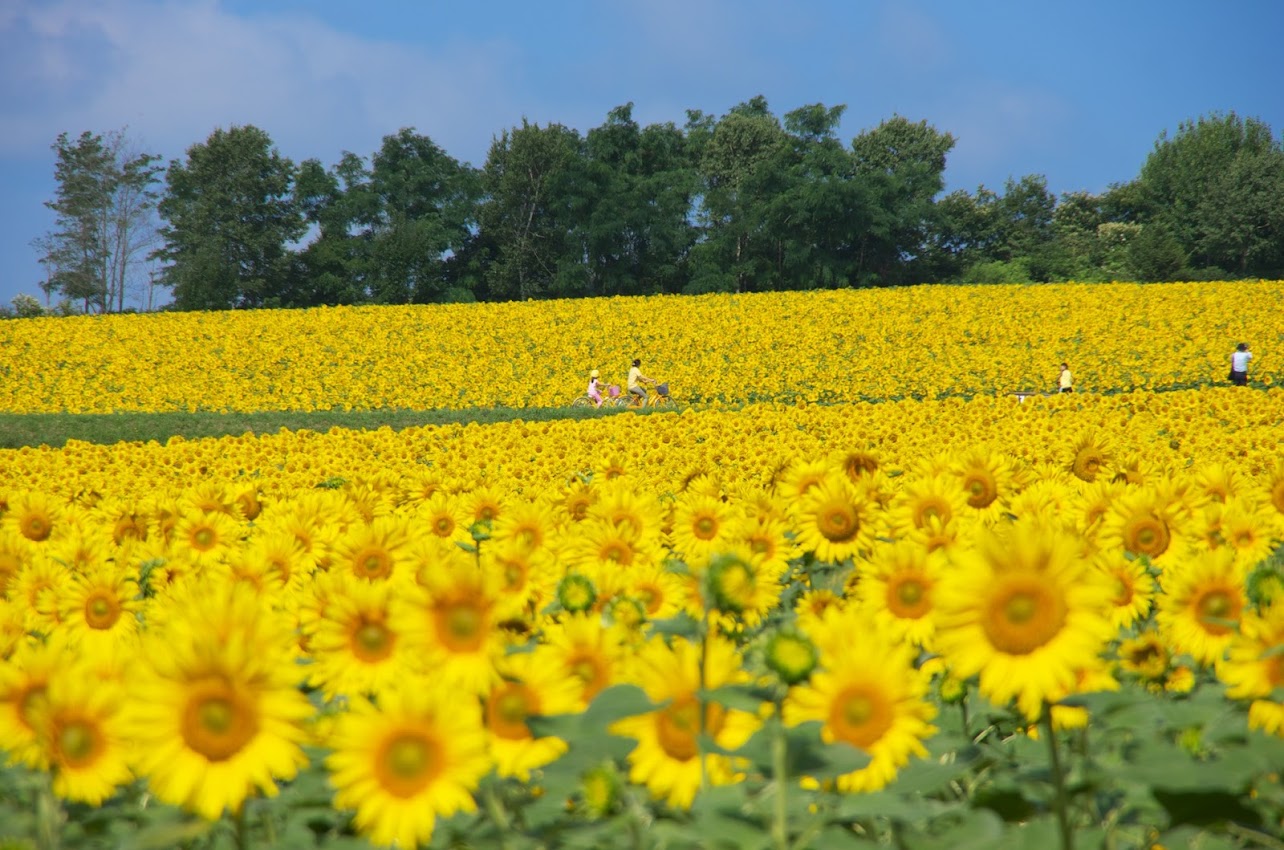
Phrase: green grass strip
pixel 56 429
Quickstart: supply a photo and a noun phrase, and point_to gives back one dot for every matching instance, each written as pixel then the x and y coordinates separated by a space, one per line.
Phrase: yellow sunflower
pixel 100 604
pixel 377 551
pixel 216 711
pixel 456 619
pixel 418 756
pixel 1141 524
pixel 986 480
pixel 925 501
pixel 206 538
pixel 1090 456
pixel 83 736
pixel 1024 611
pixel 834 521
pixel 33 515
pixel 668 758
pixel 531 684
pixel 24 678
pixel 867 694
pixel 1254 668
pixel 896 592
pixel 702 525
pixel 1201 605
pixel 1145 656
pixel 593 653
pixel 361 643
pixel 1134 589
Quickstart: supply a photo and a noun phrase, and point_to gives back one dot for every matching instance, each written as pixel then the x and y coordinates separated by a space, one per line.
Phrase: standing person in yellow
pixel 1066 381
pixel 636 380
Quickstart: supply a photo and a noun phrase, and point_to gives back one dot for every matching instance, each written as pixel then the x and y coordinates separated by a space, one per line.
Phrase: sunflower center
pixel 1087 463
pixel 78 744
pixel 35 527
pixel 101 610
pixel 618 552
pixel 932 509
pixel 1123 592
pixel 1146 535
pixel 461 626
pixel 218 721
pixel 443 526
pixel 908 598
pixel 678 726
pixel 507 710
pixel 650 596
pixel 706 528
pixel 860 715
pixel 589 670
pixel 1277 495
pixel 838 523
pixel 1023 617
pixel 374 564
pixel 1218 611
pixel 407 763
pixel 204 538
pixel 981 490
pixel 31 703
pixel 372 642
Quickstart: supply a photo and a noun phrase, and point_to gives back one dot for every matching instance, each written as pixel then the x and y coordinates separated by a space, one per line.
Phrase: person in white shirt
pixel 1066 381
pixel 1239 365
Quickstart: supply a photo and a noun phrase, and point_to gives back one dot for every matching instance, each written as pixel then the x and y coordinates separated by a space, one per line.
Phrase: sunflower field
pixel 850 591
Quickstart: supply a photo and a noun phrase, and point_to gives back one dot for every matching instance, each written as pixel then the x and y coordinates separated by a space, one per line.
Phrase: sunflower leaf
pixel 810 756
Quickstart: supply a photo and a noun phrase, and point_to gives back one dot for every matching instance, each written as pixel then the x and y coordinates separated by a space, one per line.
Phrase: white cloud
pixel 174 71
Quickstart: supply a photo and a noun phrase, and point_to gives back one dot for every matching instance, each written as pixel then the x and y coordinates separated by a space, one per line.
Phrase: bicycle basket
pixel 613 390
pixel 662 389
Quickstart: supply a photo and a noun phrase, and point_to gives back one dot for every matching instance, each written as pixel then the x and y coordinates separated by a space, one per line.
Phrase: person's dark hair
pixel 1065 365
pixel 1243 346
pixel 637 362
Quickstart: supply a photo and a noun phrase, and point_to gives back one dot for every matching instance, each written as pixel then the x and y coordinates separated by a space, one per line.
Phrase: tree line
pixel 743 202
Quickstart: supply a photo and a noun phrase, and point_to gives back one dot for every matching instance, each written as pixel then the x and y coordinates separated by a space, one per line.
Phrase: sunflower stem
pixel 701 703
pixel 48 817
pixel 1059 782
pixel 241 829
pixel 495 809
pixel 779 771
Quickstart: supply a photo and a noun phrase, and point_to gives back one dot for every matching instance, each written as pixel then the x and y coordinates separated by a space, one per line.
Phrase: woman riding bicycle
pixel 636 380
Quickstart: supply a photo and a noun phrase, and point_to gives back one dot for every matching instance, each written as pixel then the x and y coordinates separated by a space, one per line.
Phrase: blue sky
pixel 1077 92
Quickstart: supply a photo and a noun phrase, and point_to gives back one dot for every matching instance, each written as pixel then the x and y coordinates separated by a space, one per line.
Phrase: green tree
pixel 903 164
pixel 817 206
pixel 425 206
pixel 524 220
pixel 231 215
pixel 340 208
pixel 104 205
pixel 632 200
pixel 738 160
pixel 1216 186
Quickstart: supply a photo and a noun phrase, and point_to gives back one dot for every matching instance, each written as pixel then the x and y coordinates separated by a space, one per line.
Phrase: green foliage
pixel 103 207
pixel 230 214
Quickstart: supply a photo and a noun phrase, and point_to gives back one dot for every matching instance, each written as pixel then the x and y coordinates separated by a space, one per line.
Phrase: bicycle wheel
pixel 582 401
pixel 661 401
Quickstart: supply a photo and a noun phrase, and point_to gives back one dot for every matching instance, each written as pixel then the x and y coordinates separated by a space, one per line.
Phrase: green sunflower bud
pixel 791 656
pixel 730 583
pixel 575 593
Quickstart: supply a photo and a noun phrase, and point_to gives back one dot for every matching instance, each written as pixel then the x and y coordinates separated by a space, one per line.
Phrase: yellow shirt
pixel 634 374
pixel 1065 379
